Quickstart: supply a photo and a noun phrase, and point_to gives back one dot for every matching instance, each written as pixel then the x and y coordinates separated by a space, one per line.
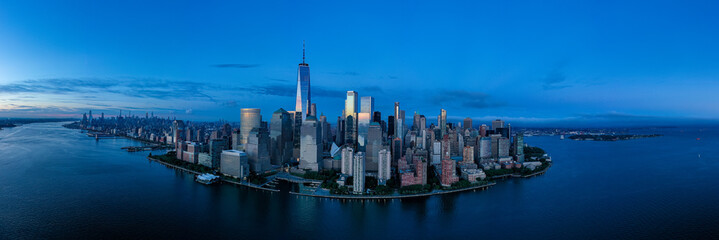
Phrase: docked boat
pixel 207 178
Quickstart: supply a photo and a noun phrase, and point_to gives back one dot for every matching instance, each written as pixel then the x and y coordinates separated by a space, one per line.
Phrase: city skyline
pixel 625 70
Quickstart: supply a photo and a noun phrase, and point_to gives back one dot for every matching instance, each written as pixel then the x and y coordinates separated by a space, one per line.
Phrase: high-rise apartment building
pixel 358 173
pixel 383 172
pixel 347 160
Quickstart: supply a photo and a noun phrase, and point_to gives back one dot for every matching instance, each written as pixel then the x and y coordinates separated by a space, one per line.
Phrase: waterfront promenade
pixel 324 193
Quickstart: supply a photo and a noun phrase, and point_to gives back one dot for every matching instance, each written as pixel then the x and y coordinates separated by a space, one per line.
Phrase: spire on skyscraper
pixel 303 51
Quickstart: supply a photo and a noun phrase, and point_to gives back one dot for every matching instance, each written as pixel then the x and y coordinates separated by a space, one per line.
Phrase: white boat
pixel 207 178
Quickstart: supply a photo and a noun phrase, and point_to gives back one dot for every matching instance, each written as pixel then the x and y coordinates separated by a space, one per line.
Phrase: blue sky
pixel 545 62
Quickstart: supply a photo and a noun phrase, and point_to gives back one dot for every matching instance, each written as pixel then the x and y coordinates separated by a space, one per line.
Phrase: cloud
pixel 188 111
pixel 346 73
pixel 94 87
pixel 278 80
pixel 236 65
pixel 556 79
pixel 230 104
pixel 285 90
pixel 372 89
pixel 467 99
pixel 615 116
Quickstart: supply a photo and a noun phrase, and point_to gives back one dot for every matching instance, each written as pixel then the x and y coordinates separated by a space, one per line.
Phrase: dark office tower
pixel 442 122
pixel 374 144
pixel 396 150
pixel 258 148
pixel 467 123
pixel 383 125
pixel 497 124
pixel 235 140
pixel 390 125
pixel 377 117
pixel 303 101
pixel 503 131
pixel 296 128
pixel 415 121
pixel 280 137
pixel 483 130
pixel 226 130
pixel 326 133
pixel 402 121
pixel 350 139
pixel 340 135
pixel 509 131
pixel 313 110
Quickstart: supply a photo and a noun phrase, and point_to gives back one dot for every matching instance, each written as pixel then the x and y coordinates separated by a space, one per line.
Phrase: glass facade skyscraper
pixel 303 101
pixel 250 118
pixel 363 120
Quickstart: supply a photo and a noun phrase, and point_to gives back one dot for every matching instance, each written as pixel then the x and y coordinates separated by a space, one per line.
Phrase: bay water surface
pixel 58 183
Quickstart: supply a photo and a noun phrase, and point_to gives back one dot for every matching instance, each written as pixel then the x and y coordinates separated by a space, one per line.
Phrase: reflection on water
pixel 59 183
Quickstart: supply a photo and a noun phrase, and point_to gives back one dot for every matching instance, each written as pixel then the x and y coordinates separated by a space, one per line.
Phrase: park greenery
pixel 170 158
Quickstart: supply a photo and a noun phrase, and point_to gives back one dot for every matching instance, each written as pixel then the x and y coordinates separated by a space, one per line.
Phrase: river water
pixel 59 183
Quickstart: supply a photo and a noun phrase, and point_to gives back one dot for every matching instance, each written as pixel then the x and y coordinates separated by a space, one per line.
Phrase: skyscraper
pixel 311 145
pixel 398 122
pixel 236 140
pixel 258 148
pixel 363 122
pixel 303 101
pixel 518 148
pixel 250 118
pixel 280 137
pixel 467 123
pixel 383 171
pixel 374 144
pixel 351 103
pixel 178 127
pixel 350 114
pixel 347 159
pixel 358 173
pixel 442 122
pixel 497 124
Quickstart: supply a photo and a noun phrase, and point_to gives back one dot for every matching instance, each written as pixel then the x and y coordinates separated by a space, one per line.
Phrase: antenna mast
pixel 303 51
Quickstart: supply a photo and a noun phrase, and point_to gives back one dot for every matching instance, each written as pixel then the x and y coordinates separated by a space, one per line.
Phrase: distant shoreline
pixel 588 137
